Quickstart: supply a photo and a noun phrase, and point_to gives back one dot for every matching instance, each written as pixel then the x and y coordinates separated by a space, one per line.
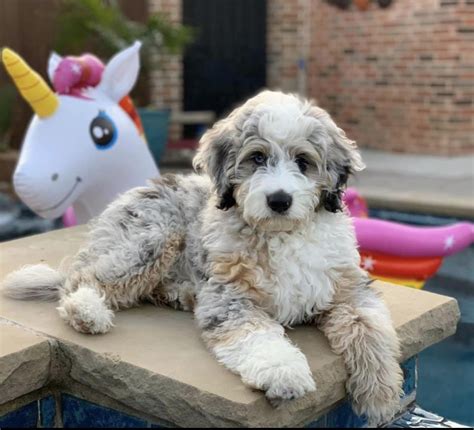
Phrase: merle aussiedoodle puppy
pixel 256 242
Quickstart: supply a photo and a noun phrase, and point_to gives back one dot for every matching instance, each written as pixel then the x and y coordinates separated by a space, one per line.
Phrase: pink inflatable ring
pixel 398 239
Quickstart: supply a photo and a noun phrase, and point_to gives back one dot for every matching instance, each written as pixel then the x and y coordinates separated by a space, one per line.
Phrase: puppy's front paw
pixel 288 382
pixel 85 310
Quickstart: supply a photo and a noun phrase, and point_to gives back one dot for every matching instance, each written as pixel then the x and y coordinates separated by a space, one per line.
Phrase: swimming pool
pixel 446 370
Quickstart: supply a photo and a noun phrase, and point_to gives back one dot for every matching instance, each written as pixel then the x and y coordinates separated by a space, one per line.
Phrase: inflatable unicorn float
pixel 403 254
pixel 85 143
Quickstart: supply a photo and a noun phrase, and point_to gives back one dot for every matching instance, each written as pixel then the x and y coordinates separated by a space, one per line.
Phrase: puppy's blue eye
pixel 258 158
pixel 103 131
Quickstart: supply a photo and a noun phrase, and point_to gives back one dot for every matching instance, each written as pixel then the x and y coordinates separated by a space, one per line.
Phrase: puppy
pixel 257 242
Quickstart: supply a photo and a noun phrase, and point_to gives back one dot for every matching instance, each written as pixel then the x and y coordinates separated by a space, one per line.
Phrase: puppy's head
pixel 278 158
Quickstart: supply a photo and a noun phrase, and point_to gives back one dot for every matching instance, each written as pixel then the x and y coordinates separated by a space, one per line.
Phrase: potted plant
pixel 102 27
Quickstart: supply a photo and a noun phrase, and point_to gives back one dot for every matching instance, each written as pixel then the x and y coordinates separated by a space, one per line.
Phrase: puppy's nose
pixel 279 202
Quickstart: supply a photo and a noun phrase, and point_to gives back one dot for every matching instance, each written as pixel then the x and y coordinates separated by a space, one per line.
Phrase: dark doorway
pixel 227 61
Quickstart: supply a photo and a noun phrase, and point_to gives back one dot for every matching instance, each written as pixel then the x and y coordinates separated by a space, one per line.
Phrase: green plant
pixel 101 26
pixel 7 99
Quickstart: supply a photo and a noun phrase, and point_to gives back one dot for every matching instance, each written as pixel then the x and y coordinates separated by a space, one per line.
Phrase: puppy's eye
pixel 302 164
pixel 258 158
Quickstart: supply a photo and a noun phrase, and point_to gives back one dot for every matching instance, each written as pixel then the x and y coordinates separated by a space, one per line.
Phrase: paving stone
pixel 24 362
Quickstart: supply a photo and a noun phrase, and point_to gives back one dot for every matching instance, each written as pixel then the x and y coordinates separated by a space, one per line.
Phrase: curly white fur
pixel 33 282
pixel 268 361
pixel 85 310
pixel 215 244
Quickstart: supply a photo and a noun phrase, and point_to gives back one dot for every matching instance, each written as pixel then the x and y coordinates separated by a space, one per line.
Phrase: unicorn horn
pixel 32 86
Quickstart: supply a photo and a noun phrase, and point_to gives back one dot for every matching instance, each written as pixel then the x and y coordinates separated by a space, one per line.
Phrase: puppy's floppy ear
pixel 342 159
pixel 215 157
pixel 332 199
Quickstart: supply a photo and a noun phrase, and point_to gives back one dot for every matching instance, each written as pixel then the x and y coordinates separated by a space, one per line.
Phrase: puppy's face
pixel 277 182
pixel 277 159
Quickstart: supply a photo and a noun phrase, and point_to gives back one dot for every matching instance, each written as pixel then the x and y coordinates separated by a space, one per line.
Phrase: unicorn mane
pixel 75 75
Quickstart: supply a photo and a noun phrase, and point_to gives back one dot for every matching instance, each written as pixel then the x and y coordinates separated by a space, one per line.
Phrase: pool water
pixel 446 370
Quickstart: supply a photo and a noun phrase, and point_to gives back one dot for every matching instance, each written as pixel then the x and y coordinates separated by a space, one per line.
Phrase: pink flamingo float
pixel 400 253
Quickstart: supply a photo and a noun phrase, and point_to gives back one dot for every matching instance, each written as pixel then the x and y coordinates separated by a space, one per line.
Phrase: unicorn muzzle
pixel 48 193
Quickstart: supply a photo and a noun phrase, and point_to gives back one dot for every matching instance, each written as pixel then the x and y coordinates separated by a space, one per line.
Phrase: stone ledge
pixel 25 360
pixel 153 361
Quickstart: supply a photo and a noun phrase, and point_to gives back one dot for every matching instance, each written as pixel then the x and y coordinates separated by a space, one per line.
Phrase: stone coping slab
pixel 154 361
pixel 25 359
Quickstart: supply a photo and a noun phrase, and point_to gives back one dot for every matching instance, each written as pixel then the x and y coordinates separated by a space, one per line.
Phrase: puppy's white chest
pixel 299 283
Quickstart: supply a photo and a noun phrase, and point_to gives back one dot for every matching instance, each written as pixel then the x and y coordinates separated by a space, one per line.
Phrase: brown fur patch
pixel 188 301
pixel 243 272
pixel 170 252
pixel 222 338
pixel 170 181
pixel 263 257
pixel 348 279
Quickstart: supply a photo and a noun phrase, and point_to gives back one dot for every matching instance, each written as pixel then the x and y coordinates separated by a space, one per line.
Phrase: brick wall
pixel 166 83
pixel 288 44
pixel 398 79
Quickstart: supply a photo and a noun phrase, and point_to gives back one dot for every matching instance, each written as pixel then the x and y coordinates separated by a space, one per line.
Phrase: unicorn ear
pixel 53 63
pixel 121 73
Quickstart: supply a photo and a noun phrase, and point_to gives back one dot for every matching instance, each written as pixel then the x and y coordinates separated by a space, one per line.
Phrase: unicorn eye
pixel 103 131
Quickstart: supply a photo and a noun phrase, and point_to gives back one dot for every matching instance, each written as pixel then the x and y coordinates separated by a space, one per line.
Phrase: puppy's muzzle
pixel 279 202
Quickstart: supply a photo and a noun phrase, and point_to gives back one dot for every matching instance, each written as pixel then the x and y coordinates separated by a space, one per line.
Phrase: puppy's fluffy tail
pixel 33 282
